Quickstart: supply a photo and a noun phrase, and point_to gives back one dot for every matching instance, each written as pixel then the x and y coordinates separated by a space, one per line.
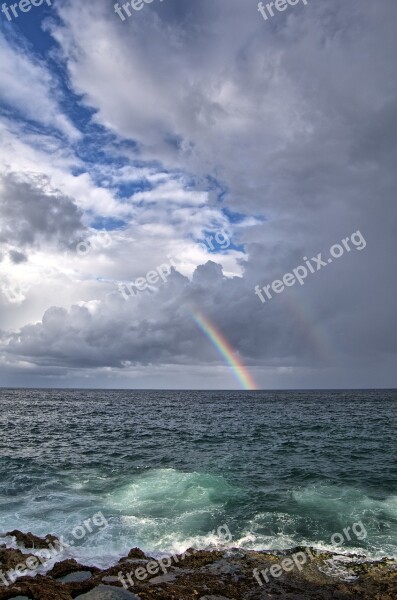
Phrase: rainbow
pixel 240 371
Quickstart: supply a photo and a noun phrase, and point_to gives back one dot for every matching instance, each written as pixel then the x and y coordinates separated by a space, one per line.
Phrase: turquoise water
pixel 166 469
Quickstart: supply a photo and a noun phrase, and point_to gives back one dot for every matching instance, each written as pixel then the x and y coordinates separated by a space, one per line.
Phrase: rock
pixel 107 592
pixel 167 578
pixel 136 553
pixel 215 598
pixel 222 566
pixel 10 558
pixel 67 566
pixel 208 575
pixel 29 540
pixel 75 577
pixel 110 579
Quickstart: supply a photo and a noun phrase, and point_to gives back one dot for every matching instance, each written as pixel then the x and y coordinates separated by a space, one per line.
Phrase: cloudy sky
pixel 125 144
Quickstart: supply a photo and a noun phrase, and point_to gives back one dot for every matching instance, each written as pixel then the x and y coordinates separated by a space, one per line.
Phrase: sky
pixel 157 171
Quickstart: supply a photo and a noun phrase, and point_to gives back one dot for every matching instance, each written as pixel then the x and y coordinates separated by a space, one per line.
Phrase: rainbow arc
pixel 224 348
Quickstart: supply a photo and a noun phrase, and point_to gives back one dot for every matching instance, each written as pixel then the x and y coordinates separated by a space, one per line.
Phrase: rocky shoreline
pixel 231 574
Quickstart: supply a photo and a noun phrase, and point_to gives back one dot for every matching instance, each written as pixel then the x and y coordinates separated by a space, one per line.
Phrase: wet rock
pixel 31 541
pixel 10 558
pixel 223 567
pixel 107 592
pixel 193 558
pixel 136 553
pixel 215 598
pixel 110 579
pixel 210 575
pixel 167 578
pixel 75 577
pixel 68 566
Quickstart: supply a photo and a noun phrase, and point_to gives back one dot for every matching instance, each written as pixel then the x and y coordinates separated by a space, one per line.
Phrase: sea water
pixel 166 469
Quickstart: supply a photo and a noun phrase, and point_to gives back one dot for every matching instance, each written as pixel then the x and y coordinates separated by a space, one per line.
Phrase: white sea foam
pixel 165 511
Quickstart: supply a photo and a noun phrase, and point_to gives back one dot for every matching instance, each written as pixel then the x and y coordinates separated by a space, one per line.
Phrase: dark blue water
pixel 166 468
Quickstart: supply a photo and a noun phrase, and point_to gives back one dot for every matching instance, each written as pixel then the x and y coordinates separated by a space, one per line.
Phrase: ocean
pixel 166 469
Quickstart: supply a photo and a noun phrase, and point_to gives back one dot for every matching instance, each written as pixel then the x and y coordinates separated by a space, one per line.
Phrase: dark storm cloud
pixel 17 257
pixel 158 328
pixel 31 215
